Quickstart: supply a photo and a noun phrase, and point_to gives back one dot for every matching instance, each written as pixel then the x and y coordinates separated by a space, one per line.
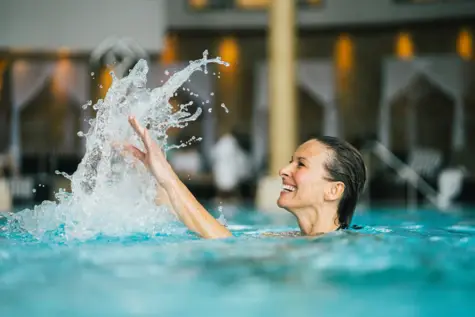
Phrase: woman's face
pixel 305 179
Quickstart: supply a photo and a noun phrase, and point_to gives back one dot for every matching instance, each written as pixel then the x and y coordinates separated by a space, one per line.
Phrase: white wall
pixel 332 13
pixel 80 25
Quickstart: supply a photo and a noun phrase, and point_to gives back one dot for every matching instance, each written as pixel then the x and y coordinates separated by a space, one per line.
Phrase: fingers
pixel 137 127
pixel 142 132
pixel 125 149
pixel 148 142
pixel 135 152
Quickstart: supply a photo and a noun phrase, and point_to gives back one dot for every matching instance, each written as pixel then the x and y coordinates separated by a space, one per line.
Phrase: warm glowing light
pixel 344 53
pixel 465 44
pixel 63 71
pixel 105 81
pixel 404 46
pixel 344 63
pixel 64 52
pixel 198 4
pixel 252 4
pixel 229 52
pixel 170 50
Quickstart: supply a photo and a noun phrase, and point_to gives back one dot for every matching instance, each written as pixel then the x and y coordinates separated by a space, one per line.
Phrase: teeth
pixel 289 188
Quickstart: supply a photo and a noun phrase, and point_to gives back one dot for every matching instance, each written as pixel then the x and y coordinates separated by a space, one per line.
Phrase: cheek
pixel 310 187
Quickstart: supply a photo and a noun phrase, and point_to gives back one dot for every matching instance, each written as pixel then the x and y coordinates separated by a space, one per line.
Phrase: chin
pixel 282 203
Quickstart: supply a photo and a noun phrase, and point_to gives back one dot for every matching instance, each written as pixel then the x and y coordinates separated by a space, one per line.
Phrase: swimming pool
pixel 398 264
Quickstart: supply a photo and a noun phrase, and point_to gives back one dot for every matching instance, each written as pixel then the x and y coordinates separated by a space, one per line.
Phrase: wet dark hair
pixel 345 165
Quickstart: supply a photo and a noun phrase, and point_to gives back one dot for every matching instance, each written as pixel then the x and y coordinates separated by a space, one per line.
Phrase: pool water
pixel 398 263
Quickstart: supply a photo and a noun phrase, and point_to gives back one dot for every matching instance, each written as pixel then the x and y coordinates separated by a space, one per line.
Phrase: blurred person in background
pixel 230 167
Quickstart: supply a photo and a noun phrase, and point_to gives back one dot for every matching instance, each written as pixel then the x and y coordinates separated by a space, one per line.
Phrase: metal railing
pixel 405 172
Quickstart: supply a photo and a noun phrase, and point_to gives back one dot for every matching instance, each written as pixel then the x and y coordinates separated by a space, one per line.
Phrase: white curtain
pixel 30 77
pixel 317 78
pixel 72 78
pixel 445 72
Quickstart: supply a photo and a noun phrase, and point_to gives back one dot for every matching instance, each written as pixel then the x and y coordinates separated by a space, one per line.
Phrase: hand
pixel 153 158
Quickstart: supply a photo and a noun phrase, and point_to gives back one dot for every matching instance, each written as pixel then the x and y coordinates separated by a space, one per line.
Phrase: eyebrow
pixel 301 158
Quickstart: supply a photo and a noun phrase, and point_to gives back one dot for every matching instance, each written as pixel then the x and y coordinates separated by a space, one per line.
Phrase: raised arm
pixel 186 207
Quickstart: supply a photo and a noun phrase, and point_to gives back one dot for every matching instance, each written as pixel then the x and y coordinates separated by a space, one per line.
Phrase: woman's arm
pixel 162 199
pixel 185 206
pixel 192 213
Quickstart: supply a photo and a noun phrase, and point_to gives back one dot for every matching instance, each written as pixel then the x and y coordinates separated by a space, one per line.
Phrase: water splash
pixel 110 194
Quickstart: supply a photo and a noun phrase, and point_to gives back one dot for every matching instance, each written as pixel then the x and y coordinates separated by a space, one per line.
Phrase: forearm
pixel 192 213
pixel 162 199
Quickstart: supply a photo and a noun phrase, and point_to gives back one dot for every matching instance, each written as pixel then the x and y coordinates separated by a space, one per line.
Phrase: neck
pixel 316 221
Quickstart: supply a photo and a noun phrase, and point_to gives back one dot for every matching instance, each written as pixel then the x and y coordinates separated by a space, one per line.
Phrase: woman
pixel 320 186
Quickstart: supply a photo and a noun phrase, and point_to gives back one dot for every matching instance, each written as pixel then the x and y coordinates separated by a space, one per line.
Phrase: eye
pixel 300 164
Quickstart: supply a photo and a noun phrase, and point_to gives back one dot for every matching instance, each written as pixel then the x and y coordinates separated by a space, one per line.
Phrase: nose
pixel 286 170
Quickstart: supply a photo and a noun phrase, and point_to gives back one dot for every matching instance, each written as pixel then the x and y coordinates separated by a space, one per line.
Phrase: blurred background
pixel 396 78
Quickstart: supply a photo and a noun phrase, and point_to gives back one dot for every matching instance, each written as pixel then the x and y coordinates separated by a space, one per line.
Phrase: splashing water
pixel 112 194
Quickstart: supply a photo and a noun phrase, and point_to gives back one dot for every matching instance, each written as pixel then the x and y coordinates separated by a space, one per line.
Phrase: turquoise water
pixel 397 264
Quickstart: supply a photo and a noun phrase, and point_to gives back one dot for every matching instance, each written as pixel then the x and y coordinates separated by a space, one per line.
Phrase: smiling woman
pixel 321 186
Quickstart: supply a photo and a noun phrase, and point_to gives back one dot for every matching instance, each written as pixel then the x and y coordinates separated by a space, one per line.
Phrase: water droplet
pixel 89 103
pixel 167 72
pixel 100 86
pixel 212 94
pixel 80 134
pixel 207 101
pixel 34 190
pixel 210 110
pixel 92 74
pixel 224 107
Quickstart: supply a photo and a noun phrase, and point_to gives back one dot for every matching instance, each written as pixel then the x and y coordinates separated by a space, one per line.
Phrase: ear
pixel 334 191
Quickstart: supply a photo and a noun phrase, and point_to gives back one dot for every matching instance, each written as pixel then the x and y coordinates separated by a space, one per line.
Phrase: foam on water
pixel 110 194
